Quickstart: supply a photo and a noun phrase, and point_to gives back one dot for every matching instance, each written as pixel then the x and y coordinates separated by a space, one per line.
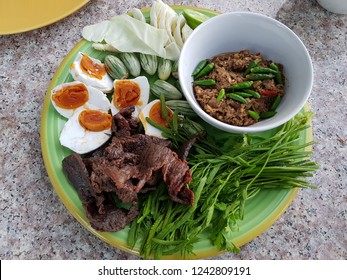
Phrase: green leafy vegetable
pixel 226 173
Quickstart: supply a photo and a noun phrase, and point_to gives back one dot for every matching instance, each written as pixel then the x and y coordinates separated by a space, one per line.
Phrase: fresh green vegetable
pixel 149 63
pixel 243 94
pixel 254 93
pixel 207 82
pixel 253 114
pixel 266 115
pixel 132 63
pixel 115 67
pixel 243 85
pixel 182 106
pixel 265 70
pixel 278 74
pixel 207 69
pixel 255 77
pixel 254 63
pixel 164 68
pixel 168 90
pixel 221 95
pixel 276 103
pixel 199 67
pixel 225 174
pixel 237 97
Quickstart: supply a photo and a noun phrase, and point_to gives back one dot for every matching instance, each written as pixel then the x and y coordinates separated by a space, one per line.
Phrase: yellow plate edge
pixel 46 22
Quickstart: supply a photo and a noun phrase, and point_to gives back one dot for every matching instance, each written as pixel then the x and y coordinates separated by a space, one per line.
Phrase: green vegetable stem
pixel 225 175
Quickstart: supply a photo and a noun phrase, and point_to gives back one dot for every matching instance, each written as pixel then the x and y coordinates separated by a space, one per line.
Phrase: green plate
pixel 260 213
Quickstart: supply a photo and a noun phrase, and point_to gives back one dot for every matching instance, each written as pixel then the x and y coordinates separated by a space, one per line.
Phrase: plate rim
pixel 30 27
pixel 121 244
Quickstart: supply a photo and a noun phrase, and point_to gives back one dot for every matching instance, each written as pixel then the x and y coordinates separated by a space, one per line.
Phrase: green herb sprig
pixel 226 173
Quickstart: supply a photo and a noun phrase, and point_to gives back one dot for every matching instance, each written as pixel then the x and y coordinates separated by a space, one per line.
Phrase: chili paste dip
pixel 239 88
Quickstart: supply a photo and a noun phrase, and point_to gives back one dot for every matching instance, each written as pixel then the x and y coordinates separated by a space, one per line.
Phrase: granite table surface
pixel 34 224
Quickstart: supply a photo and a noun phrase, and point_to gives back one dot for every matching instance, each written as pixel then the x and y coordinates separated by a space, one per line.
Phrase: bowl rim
pixel 245 129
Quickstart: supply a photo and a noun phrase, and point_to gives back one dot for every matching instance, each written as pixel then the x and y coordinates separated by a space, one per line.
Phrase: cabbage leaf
pixel 127 34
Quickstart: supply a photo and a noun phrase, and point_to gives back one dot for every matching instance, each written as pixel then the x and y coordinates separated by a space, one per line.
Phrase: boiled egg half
pixel 130 92
pixel 92 72
pixel 86 130
pixel 153 111
pixel 69 97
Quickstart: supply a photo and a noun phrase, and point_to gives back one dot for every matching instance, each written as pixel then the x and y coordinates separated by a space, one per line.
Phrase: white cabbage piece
pixel 127 34
pixel 138 14
pixel 186 31
pixel 178 30
pixel 155 11
pixel 164 17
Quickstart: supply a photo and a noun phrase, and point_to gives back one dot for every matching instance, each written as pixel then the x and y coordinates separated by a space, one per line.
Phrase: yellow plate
pixel 24 15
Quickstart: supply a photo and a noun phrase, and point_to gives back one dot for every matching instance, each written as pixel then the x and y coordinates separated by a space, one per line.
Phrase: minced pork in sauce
pixel 229 69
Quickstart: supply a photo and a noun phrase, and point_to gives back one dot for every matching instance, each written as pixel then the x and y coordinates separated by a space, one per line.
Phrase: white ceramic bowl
pixel 233 32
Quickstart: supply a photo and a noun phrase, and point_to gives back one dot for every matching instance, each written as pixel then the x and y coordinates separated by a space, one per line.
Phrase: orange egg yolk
pixel 91 68
pixel 94 120
pixel 126 93
pixel 155 114
pixel 71 97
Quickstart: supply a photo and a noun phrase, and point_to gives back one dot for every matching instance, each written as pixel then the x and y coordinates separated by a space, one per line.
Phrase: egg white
pixel 150 130
pixel 96 98
pixel 105 84
pixel 80 140
pixel 143 83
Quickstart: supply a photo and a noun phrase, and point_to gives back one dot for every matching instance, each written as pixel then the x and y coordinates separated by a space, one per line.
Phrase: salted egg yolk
pixel 126 93
pixel 91 68
pixel 71 97
pixel 156 115
pixel 94 120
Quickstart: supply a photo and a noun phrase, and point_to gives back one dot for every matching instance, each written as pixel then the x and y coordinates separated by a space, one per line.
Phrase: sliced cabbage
pixel 164 36
pixel 164 17
pixel 138 14
pixel 186 31
pixel 178 29
pixel 127 34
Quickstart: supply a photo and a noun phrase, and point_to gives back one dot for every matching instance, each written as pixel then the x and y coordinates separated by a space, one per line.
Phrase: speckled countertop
pixel 34 224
